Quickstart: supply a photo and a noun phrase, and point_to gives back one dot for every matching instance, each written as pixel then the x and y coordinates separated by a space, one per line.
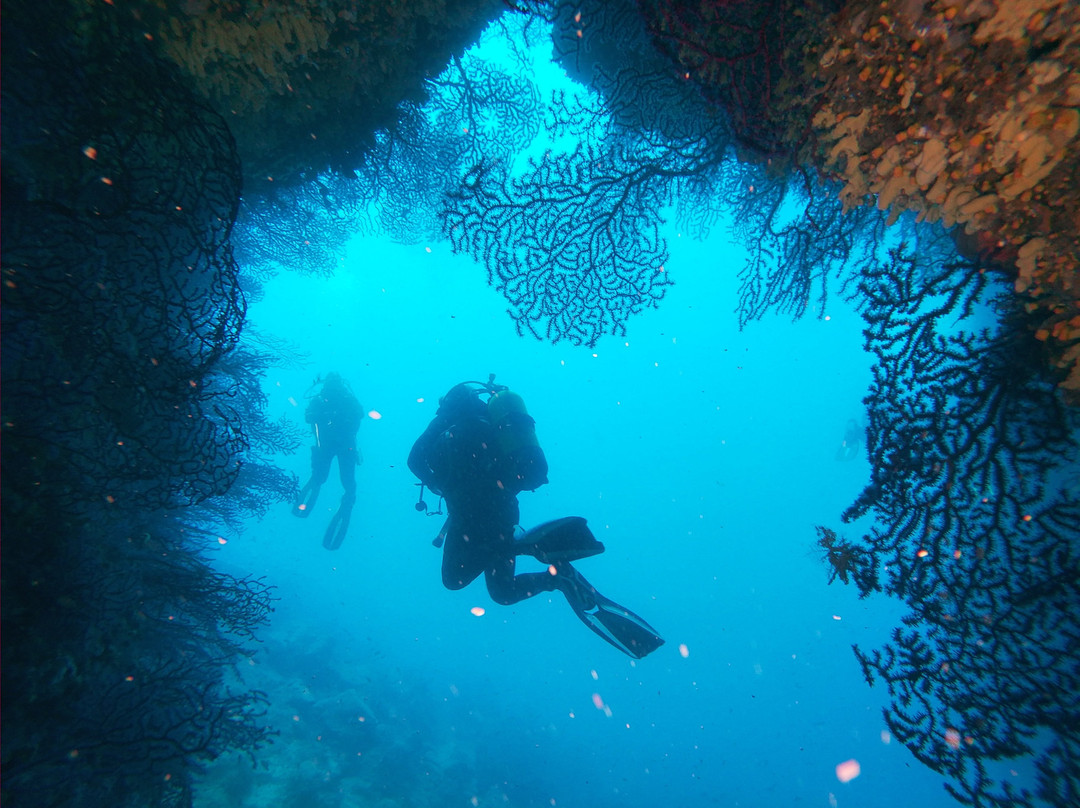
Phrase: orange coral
pixel 968 113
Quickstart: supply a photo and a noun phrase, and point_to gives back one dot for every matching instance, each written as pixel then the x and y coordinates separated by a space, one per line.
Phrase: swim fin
pixel 339 524
pixel 566 539
pixel 301 508
pixel 618 625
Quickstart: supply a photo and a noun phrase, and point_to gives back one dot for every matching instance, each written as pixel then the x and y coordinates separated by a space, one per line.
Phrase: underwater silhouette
pixel 852 442
pixel 479 455
pixel 973 529
pixel 334 414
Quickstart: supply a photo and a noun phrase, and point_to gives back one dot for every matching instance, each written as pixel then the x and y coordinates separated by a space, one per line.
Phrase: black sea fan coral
pixel 121 302
pixel 576 261
pixel 975 532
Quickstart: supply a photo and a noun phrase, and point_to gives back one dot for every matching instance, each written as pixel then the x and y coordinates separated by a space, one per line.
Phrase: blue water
pixel 702 457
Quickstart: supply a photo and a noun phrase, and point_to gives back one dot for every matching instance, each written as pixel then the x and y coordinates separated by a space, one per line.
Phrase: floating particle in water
pixel 848 770
pixel 952 738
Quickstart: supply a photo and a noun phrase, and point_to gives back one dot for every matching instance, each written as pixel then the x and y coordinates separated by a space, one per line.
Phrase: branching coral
pixel 573 239
pixel 115 248
pixel 974 532
pixel 968 113
pixel 477 110
pixel 117 638
pixel 794 258
pixel 574 263
pixel 301 228
pixel 474 108
pixel 121 308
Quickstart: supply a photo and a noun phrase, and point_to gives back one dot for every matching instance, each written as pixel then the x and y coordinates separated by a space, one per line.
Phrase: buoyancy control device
pixel 517 438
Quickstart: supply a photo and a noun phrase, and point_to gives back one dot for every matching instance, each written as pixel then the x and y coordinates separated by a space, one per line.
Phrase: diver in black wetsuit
pixel 458 458
pixel 479 456
pixel 334 414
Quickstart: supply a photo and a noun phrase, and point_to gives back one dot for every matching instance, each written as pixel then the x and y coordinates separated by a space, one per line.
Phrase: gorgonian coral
pixel 573 239
pixel 121 308
pixel 975 530
pixel 474 108
pixel 573 245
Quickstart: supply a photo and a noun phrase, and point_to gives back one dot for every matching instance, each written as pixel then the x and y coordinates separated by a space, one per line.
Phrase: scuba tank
pixel 517 438
pixel 455 457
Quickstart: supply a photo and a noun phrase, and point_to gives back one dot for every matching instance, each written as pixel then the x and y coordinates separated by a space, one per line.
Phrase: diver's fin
pixel 566 539
pixel 310 492
pixel 335 531
pixel 299 507
pixel 618 625
pixel 339 525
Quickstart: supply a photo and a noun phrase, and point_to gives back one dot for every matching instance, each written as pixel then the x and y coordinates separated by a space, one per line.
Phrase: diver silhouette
pixel 334 414
pixel 850 445
pixel 478 456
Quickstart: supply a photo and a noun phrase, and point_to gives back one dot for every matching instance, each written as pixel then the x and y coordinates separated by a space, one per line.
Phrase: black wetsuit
pixel 335 415
pixel 458 458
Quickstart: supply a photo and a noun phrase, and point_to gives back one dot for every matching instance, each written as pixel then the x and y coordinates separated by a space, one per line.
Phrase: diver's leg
pixel 339 522
pixel 320 471
pixel 506 588
pixel 346 459
pixel 462 558
pixel 299 507
pixel 500 550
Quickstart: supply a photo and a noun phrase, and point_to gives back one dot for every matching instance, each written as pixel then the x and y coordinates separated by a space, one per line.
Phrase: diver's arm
pixel 313 413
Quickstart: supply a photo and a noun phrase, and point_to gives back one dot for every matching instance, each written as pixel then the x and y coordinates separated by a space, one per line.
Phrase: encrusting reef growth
pixel 303 84
pixel 968 113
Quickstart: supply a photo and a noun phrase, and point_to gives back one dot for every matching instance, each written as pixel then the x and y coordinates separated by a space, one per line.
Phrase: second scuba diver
pixel 334 414
pixel 479 455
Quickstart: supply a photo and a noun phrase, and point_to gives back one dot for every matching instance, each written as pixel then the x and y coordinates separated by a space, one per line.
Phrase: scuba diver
pixel 334 415
pixel 849 446
pixel 478 456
